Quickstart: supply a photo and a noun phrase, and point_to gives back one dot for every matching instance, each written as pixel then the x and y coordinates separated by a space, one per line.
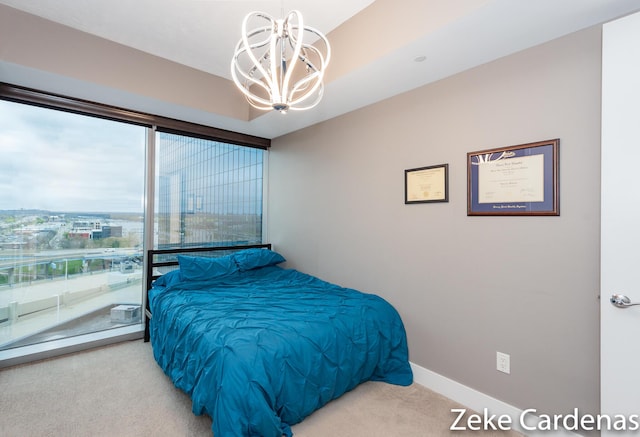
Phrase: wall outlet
pixel 503 362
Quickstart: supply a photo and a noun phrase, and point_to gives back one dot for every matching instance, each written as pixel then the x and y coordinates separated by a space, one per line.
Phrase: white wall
pixel 466 287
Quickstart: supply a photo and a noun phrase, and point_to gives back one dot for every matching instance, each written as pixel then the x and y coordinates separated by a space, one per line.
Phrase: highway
pixel 16 258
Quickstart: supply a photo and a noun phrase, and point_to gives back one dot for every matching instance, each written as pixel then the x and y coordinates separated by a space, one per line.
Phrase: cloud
pixel 66 162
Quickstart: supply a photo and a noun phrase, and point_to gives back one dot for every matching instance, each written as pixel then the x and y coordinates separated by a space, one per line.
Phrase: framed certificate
pixel 515 180
pixel 426 184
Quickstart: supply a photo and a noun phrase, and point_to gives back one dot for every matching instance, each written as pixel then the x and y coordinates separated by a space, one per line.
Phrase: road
pixel 14 258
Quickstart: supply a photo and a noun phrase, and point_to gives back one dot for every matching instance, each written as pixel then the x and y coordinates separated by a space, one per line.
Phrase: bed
pixel 259 347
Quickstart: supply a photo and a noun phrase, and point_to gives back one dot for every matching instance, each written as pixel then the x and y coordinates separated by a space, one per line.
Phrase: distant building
pixel 94 230
pixel 108 231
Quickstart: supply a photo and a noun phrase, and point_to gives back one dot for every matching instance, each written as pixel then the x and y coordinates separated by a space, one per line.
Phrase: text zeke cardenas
pixel 529 420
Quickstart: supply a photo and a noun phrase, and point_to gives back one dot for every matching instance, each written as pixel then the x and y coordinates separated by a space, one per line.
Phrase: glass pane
pixel 71 224
pixel 209 193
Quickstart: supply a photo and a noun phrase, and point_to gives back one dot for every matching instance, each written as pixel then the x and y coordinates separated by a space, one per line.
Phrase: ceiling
pixel 453 35
pixel 199 33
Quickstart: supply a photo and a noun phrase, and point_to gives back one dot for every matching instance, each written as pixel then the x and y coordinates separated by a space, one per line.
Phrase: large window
pixel 81 199
pixel 209 193
pixel 71 224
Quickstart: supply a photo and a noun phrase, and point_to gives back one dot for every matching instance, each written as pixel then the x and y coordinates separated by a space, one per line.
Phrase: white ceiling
pixel 202 34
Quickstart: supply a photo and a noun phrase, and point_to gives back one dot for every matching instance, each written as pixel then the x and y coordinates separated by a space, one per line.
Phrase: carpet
pixel 120 391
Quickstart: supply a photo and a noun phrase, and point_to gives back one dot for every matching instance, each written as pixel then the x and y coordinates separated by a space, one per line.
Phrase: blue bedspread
pixel 260 350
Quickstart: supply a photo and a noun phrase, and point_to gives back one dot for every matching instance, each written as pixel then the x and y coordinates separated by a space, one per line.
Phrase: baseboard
pixel 479 402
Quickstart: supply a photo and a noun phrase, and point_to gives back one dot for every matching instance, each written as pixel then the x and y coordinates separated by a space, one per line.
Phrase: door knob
pixel 621 301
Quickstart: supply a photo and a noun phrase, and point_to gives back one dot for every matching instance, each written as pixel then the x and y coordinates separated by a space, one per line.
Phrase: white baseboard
pixel 477 401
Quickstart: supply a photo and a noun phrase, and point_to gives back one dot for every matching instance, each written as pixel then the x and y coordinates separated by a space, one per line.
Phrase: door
pixel 620 226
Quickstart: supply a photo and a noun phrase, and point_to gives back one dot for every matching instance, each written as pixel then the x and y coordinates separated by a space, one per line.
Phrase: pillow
pixel 197 268
pixel 168 279
pixel 255 258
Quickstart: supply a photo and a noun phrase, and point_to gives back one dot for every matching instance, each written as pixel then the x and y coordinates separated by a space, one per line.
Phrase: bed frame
pixel 159 258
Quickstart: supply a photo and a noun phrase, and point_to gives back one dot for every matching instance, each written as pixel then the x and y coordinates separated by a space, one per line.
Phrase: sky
pixel 57 161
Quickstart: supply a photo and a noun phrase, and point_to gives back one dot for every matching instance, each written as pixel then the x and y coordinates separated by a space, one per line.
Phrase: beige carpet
pixel 120 391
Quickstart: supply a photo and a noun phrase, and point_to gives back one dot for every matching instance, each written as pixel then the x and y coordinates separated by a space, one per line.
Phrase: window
pixel 71 224
pixel 74 182
pixel 209 193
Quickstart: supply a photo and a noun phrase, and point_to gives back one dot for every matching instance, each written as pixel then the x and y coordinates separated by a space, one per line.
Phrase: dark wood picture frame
pixel 517 180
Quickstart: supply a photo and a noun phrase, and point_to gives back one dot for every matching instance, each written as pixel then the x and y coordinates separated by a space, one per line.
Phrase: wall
pixel 86 66
pixel 466 287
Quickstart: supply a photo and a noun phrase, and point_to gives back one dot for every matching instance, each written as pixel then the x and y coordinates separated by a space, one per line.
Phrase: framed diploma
pixel 426 184
pixel 515 180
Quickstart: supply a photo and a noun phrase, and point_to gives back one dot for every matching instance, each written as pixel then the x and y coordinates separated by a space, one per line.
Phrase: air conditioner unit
pixel 125 313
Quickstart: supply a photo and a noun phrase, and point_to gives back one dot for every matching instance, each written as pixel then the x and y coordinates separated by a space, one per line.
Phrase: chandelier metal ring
pixel 275 67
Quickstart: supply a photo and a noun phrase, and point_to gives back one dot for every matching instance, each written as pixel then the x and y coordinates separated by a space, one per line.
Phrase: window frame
pixel 32 96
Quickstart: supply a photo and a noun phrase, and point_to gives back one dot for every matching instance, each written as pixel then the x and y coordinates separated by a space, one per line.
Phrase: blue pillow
pixel 249 259
pixel 168 279
pixel 196 268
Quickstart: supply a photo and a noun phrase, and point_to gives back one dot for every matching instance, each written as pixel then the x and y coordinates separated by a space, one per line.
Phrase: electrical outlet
pixel 503 362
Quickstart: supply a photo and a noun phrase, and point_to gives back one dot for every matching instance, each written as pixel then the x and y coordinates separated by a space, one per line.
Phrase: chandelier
pixel 275 68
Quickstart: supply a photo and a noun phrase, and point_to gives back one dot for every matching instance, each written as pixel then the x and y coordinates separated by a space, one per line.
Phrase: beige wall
pixel 37 44
pixel 466 287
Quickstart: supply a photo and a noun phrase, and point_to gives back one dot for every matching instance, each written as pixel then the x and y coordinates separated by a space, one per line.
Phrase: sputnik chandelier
pixel 275 67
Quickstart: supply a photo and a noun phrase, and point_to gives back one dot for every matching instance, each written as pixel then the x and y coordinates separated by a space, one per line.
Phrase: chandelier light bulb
pixel 275 67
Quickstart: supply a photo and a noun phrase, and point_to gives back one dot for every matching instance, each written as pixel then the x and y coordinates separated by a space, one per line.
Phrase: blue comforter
pixel 260 350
